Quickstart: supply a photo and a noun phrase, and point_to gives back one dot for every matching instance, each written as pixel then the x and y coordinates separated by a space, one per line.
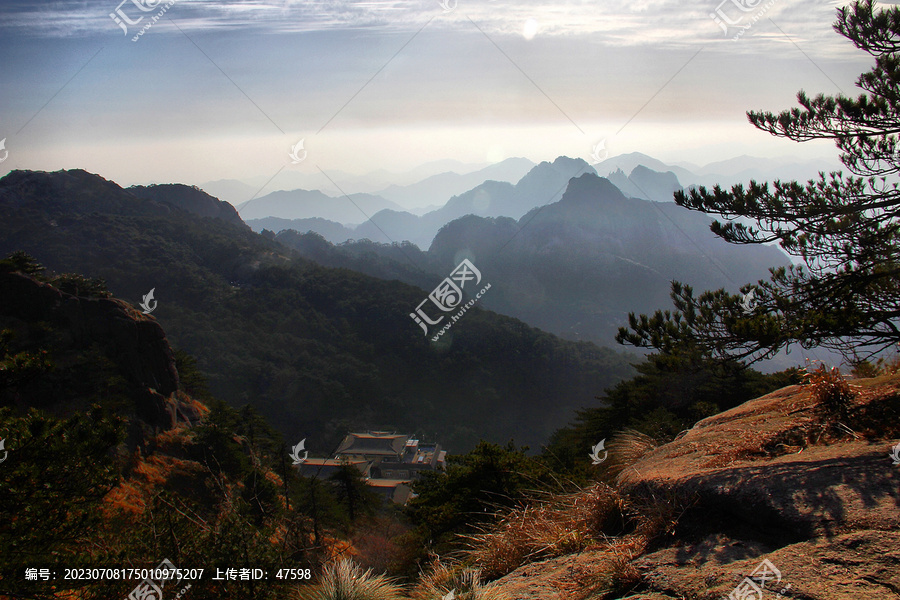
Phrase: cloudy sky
pixel 217 90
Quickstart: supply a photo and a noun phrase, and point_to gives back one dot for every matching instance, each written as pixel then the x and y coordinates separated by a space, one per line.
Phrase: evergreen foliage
pixel 843 226
pixel 474 486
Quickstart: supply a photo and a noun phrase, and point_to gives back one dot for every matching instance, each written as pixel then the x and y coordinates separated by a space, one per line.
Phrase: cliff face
pixel 133 342
pixel 770 480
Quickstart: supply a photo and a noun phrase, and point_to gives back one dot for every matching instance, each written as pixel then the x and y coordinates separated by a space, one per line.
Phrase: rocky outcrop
pixel 772 479
pixel 771 464
pixel 135 342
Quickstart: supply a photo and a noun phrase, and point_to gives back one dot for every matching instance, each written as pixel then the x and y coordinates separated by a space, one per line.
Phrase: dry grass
pixel 462 583
pixel 625 449
pixel 344 580
pixel 562 524
pixel 605 577
pixel 657 513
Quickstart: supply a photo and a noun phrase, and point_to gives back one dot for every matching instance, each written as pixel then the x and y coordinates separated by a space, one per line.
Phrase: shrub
pixel 865 369
pixel 829 389
pixel 78 285
pixel 346 581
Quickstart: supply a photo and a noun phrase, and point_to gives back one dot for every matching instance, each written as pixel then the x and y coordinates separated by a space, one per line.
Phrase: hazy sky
pixel 217 90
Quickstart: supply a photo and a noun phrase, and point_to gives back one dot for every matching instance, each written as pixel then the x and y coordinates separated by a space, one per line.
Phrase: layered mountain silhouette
pixel 575 267
pixel 636 175
pixel 305 204
pixel 417 190
pixel 542 185
pixel 646 184
pixel 728 172
pixel 433 191
pixel 316 350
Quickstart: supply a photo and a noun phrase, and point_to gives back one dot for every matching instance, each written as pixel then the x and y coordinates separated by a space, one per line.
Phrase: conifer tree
pixel 842 226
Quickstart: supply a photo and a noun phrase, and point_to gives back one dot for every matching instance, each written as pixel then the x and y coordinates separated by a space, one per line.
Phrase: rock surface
pixel 767 480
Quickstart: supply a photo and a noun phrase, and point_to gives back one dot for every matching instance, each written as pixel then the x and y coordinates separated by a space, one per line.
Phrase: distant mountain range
pixel 318 351
pixel 636 175
pixel 435 190
pixel 428 185
pixel 574 252
pixel 307 204
pixel 725 173
pixel 575 267
pixel 646 184
pixel 542 184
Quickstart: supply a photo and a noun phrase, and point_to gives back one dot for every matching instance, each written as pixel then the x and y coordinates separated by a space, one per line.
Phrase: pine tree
pixel 844 227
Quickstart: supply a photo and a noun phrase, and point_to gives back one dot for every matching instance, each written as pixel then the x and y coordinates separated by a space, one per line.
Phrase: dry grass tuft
pixel 657 513
pixel 344 580
pixel 463 583
pixel 625 449
pixel 562 524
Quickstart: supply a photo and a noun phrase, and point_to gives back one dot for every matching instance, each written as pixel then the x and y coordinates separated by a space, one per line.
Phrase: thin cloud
pixel 664 23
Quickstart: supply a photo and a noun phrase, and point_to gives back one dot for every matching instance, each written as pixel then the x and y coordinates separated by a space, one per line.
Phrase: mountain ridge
pixel 316 350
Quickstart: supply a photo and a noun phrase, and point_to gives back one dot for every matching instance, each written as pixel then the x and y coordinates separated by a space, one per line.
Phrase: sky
pixel 226 90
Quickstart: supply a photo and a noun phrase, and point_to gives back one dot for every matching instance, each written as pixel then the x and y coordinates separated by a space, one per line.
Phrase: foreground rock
pixel 774 480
